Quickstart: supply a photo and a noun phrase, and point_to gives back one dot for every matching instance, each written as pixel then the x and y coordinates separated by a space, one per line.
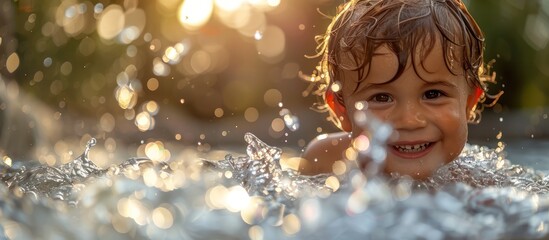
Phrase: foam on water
pixel 480 195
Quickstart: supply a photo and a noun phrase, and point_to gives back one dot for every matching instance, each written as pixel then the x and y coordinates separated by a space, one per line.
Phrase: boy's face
pixel 428 109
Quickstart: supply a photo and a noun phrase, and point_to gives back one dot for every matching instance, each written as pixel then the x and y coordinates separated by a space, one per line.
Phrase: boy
pixel 417 64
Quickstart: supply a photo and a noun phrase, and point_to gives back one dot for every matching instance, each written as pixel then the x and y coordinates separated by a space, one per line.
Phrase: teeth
pixel 412 148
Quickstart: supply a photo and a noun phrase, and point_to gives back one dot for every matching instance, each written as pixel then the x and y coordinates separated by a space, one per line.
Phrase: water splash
pixel 261 174
pixel 52 182
pixel 57 182
pixel 479 196
pixel 375 135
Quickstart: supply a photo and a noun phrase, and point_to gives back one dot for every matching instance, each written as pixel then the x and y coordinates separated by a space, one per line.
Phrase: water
pixel 479 196
pixel 241 196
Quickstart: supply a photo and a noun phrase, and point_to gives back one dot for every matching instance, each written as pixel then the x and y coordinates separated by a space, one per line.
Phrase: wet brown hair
pixel 406 27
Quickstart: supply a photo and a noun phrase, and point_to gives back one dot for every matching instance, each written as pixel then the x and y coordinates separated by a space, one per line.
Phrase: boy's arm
pixel 323 152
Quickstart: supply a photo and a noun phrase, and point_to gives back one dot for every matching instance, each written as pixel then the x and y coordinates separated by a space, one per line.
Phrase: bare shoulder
pixel 323 151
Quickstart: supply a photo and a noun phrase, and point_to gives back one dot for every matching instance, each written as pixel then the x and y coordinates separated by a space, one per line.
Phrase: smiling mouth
pixel 415 148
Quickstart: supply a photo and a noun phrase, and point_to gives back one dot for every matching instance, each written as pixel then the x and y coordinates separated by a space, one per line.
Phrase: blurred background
pixel 157 77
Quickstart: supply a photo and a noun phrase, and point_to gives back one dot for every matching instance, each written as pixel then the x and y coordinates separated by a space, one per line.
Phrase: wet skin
pixel 428 110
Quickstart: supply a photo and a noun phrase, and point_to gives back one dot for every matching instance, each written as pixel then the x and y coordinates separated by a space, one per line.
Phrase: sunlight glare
pixel 193 14
pixel 229 5
pixel 236 199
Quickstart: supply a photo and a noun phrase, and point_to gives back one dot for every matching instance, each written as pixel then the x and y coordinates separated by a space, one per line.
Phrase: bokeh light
pixel 12 63
pixel 126 97
pixel 193 14
pixel 272 44
pixel 251 114
pixel 162 218
pixel 111 22
pixel 179 79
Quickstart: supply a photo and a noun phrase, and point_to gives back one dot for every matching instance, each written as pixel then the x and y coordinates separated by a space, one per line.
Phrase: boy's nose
pixel 408 116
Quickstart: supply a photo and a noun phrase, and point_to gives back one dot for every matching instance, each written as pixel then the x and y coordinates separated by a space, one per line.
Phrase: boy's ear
pixel 339 110
pixel 472 100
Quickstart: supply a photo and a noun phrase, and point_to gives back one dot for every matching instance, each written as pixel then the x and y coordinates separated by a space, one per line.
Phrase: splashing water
pixel 52 182
pixel 480 195
pixel 261 174
pixel 373 139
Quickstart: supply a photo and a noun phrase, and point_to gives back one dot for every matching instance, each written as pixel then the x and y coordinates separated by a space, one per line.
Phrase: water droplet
pixel 500 134
pixel 47 62
pixel 291 122
pixel 91 143
pixel 361 105
pixel 98 8
pixel 258 35
pixel 160 68
pixel 336 86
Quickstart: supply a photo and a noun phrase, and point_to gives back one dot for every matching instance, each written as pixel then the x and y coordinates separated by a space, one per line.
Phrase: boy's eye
pixel 382 97
pixel 431 94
